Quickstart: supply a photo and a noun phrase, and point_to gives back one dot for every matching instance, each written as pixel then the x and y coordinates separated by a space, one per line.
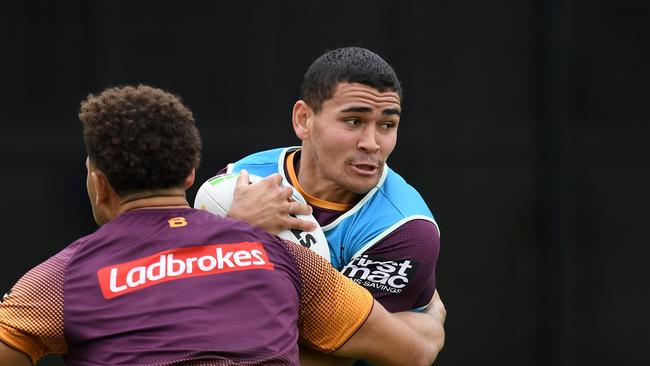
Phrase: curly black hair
pixel 144 139
pixel 348 64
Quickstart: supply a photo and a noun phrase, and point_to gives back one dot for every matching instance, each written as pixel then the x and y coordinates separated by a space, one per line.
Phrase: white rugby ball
pixel 216 194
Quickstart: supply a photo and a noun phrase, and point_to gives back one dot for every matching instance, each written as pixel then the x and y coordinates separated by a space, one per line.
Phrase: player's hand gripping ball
pixel 216 194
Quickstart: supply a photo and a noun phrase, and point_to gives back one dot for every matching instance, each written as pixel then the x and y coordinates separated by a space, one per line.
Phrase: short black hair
pixel 143 138
pixel 349 64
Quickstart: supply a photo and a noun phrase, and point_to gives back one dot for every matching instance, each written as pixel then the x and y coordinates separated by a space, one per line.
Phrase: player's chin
pixel 363 185
pixel 361 181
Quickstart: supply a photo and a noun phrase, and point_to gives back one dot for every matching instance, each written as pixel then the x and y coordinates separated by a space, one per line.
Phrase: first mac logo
pixel 178 263
pixel 380 273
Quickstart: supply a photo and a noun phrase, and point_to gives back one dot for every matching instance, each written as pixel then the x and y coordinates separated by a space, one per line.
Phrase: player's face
pixel 351 138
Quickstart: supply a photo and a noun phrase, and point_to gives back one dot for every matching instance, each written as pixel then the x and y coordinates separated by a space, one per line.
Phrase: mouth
pixel 368 167
pixel 365 168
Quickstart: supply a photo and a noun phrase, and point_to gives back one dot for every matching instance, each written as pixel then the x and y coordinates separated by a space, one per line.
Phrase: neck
pixel 171 200
pixel 320 188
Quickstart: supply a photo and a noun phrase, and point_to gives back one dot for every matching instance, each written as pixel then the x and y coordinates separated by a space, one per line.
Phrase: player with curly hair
pixel 160 283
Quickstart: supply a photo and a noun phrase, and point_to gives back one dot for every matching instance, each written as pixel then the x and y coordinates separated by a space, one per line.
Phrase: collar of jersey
pixel 314 201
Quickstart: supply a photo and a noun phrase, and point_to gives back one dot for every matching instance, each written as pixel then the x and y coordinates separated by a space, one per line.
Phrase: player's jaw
pixel 362 174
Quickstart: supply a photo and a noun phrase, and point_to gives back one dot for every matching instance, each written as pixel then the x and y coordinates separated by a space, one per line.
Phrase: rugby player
pixel 160 283
pixel 380 231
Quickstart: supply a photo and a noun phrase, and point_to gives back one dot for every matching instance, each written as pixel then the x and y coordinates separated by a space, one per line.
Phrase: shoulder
pixel 402 195
pixel 213 226
pixel 263 163
pixel 264 157
pixel 417 234
pixel 31 314
pixel 413 238
pixel 62 259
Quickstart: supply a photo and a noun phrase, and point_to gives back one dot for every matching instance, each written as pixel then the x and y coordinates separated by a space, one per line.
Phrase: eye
pixel 352 121
pixel 387 125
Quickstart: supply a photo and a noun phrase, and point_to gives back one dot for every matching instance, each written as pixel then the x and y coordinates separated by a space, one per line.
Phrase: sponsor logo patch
pixel 381 274
pixel 175 264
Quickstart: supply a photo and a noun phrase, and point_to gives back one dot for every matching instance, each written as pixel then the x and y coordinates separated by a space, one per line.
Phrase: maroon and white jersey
pixel 181 287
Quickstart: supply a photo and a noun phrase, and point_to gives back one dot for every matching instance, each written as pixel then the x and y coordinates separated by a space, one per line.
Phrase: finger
pixel 286 193
pixel 275 178
pixel 299 224
pixel 243 179
pixel 299 208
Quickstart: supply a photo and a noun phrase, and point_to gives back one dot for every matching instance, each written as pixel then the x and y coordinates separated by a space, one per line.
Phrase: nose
pixel 368 140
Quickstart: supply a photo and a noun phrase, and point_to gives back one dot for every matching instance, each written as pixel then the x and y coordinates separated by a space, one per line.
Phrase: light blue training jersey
pixel 385 208
pixel 382 210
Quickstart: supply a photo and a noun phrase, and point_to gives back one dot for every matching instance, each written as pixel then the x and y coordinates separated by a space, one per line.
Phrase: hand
pixel 267 204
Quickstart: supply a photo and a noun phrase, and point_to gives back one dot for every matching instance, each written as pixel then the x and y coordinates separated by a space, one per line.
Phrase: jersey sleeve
pixel 31 314
pixel 400 269
pixel 332 308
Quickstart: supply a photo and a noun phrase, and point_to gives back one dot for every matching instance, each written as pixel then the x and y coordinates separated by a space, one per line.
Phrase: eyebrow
pixel 387 111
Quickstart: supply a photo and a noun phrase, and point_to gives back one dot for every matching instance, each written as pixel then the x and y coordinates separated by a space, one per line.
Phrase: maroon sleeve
pixel 31 315
pixel 332 308
pixel 402 265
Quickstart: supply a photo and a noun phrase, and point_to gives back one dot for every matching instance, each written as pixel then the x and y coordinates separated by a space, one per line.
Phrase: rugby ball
pixel 216 194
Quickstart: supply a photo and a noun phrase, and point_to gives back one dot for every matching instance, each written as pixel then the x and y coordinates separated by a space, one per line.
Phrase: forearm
pixel 9 356
pixel 310 357
pixel 406 338
pixel 428 329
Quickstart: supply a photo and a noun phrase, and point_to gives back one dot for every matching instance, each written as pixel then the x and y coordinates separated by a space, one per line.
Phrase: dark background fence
pixel 525 127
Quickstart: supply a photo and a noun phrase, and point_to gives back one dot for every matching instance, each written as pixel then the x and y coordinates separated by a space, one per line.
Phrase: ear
pixel 101 185
pixel 190 179
pixel 301 118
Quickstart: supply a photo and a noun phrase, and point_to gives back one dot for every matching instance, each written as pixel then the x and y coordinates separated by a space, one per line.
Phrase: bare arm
pixel 405 338
pixel 266 204
pixel 310 357
pixel 339 317
pixel 11 357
